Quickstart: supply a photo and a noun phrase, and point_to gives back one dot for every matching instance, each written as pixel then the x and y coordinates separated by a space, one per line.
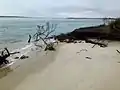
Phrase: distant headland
pixel 86 18
pixel 14 17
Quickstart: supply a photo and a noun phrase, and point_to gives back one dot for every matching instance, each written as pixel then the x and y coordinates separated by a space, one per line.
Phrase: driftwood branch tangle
pixel 43 33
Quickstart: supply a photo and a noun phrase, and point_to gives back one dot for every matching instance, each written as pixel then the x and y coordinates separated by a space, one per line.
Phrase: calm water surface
pixel 14 31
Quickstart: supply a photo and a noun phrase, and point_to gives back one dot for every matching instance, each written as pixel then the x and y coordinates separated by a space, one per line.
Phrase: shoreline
pixel 68 68
pixel 23 68
pixel 75 65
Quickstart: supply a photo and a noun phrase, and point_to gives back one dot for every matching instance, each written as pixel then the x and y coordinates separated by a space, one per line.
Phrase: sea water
pixel 14 31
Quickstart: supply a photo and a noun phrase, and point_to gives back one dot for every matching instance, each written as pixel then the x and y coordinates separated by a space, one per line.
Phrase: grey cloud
pixel 54 8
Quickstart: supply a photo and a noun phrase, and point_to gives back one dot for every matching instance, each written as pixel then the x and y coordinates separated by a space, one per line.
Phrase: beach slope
pixel 78 67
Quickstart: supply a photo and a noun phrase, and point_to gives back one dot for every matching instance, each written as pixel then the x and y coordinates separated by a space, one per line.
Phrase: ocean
pixel 14 31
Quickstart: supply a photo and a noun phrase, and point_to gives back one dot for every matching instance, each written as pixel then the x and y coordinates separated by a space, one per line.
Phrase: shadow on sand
pixel 5 71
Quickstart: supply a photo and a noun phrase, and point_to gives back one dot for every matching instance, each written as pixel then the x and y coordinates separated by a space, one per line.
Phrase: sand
pixel 72 67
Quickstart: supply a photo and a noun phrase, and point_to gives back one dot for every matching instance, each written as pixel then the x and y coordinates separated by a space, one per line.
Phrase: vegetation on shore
pixel 13 17
pixel 110 31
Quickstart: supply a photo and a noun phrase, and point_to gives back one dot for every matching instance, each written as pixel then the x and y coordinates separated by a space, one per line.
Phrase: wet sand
pixel 72 67
pixel 11 77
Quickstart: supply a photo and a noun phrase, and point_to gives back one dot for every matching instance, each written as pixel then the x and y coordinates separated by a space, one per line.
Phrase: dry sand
pixel 69 69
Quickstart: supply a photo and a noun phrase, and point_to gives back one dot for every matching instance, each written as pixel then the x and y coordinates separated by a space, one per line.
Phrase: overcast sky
pixel 61 8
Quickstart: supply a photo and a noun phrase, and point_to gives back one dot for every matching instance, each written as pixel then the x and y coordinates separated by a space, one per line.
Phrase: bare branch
pixel 43 32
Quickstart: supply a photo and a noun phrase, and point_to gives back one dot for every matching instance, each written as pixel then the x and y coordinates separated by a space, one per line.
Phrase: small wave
pixel 11 40
pixel 24 50
pixel 27 49
pixel 16 41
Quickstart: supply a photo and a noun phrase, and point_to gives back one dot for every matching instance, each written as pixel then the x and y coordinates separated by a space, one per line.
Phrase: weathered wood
pixel 43 33
pixel 88 57
pixel 29 40
pixel 93 45
pixel 4 56
pixel 96 43
pixel 118 51
pixel 24 57
pixel 14 53
pixel 50 47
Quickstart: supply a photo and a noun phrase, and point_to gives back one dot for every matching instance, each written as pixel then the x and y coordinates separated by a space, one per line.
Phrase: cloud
pixel 61 8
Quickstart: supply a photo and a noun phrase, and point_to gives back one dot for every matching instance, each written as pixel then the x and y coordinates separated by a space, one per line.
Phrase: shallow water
pixel 16 30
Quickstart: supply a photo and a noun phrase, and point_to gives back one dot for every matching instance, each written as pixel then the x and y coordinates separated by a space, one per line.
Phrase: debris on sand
pixel 96 43
pixel 75 42
pixel 118 51
pixel 24 57
pixel 14 53
pixel 82 50
pixel 119 62
pixel 88 57
pixel 16 58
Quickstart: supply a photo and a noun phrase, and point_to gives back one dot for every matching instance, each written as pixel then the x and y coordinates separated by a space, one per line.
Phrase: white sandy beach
pixel 68 69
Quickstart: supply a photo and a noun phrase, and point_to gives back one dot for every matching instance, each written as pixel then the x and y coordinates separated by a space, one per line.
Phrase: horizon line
pixel 15 16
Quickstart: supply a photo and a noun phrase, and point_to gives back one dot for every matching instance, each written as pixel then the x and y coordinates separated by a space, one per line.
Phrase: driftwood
pixel 118 51
pixel 24 57
pixel 88 57
pixel 93 45
pixel 50 47
pixel 14 53
pixel 4 56
pixel 16 58
pixel 29 40
pixel 96 43
pixel 43 33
